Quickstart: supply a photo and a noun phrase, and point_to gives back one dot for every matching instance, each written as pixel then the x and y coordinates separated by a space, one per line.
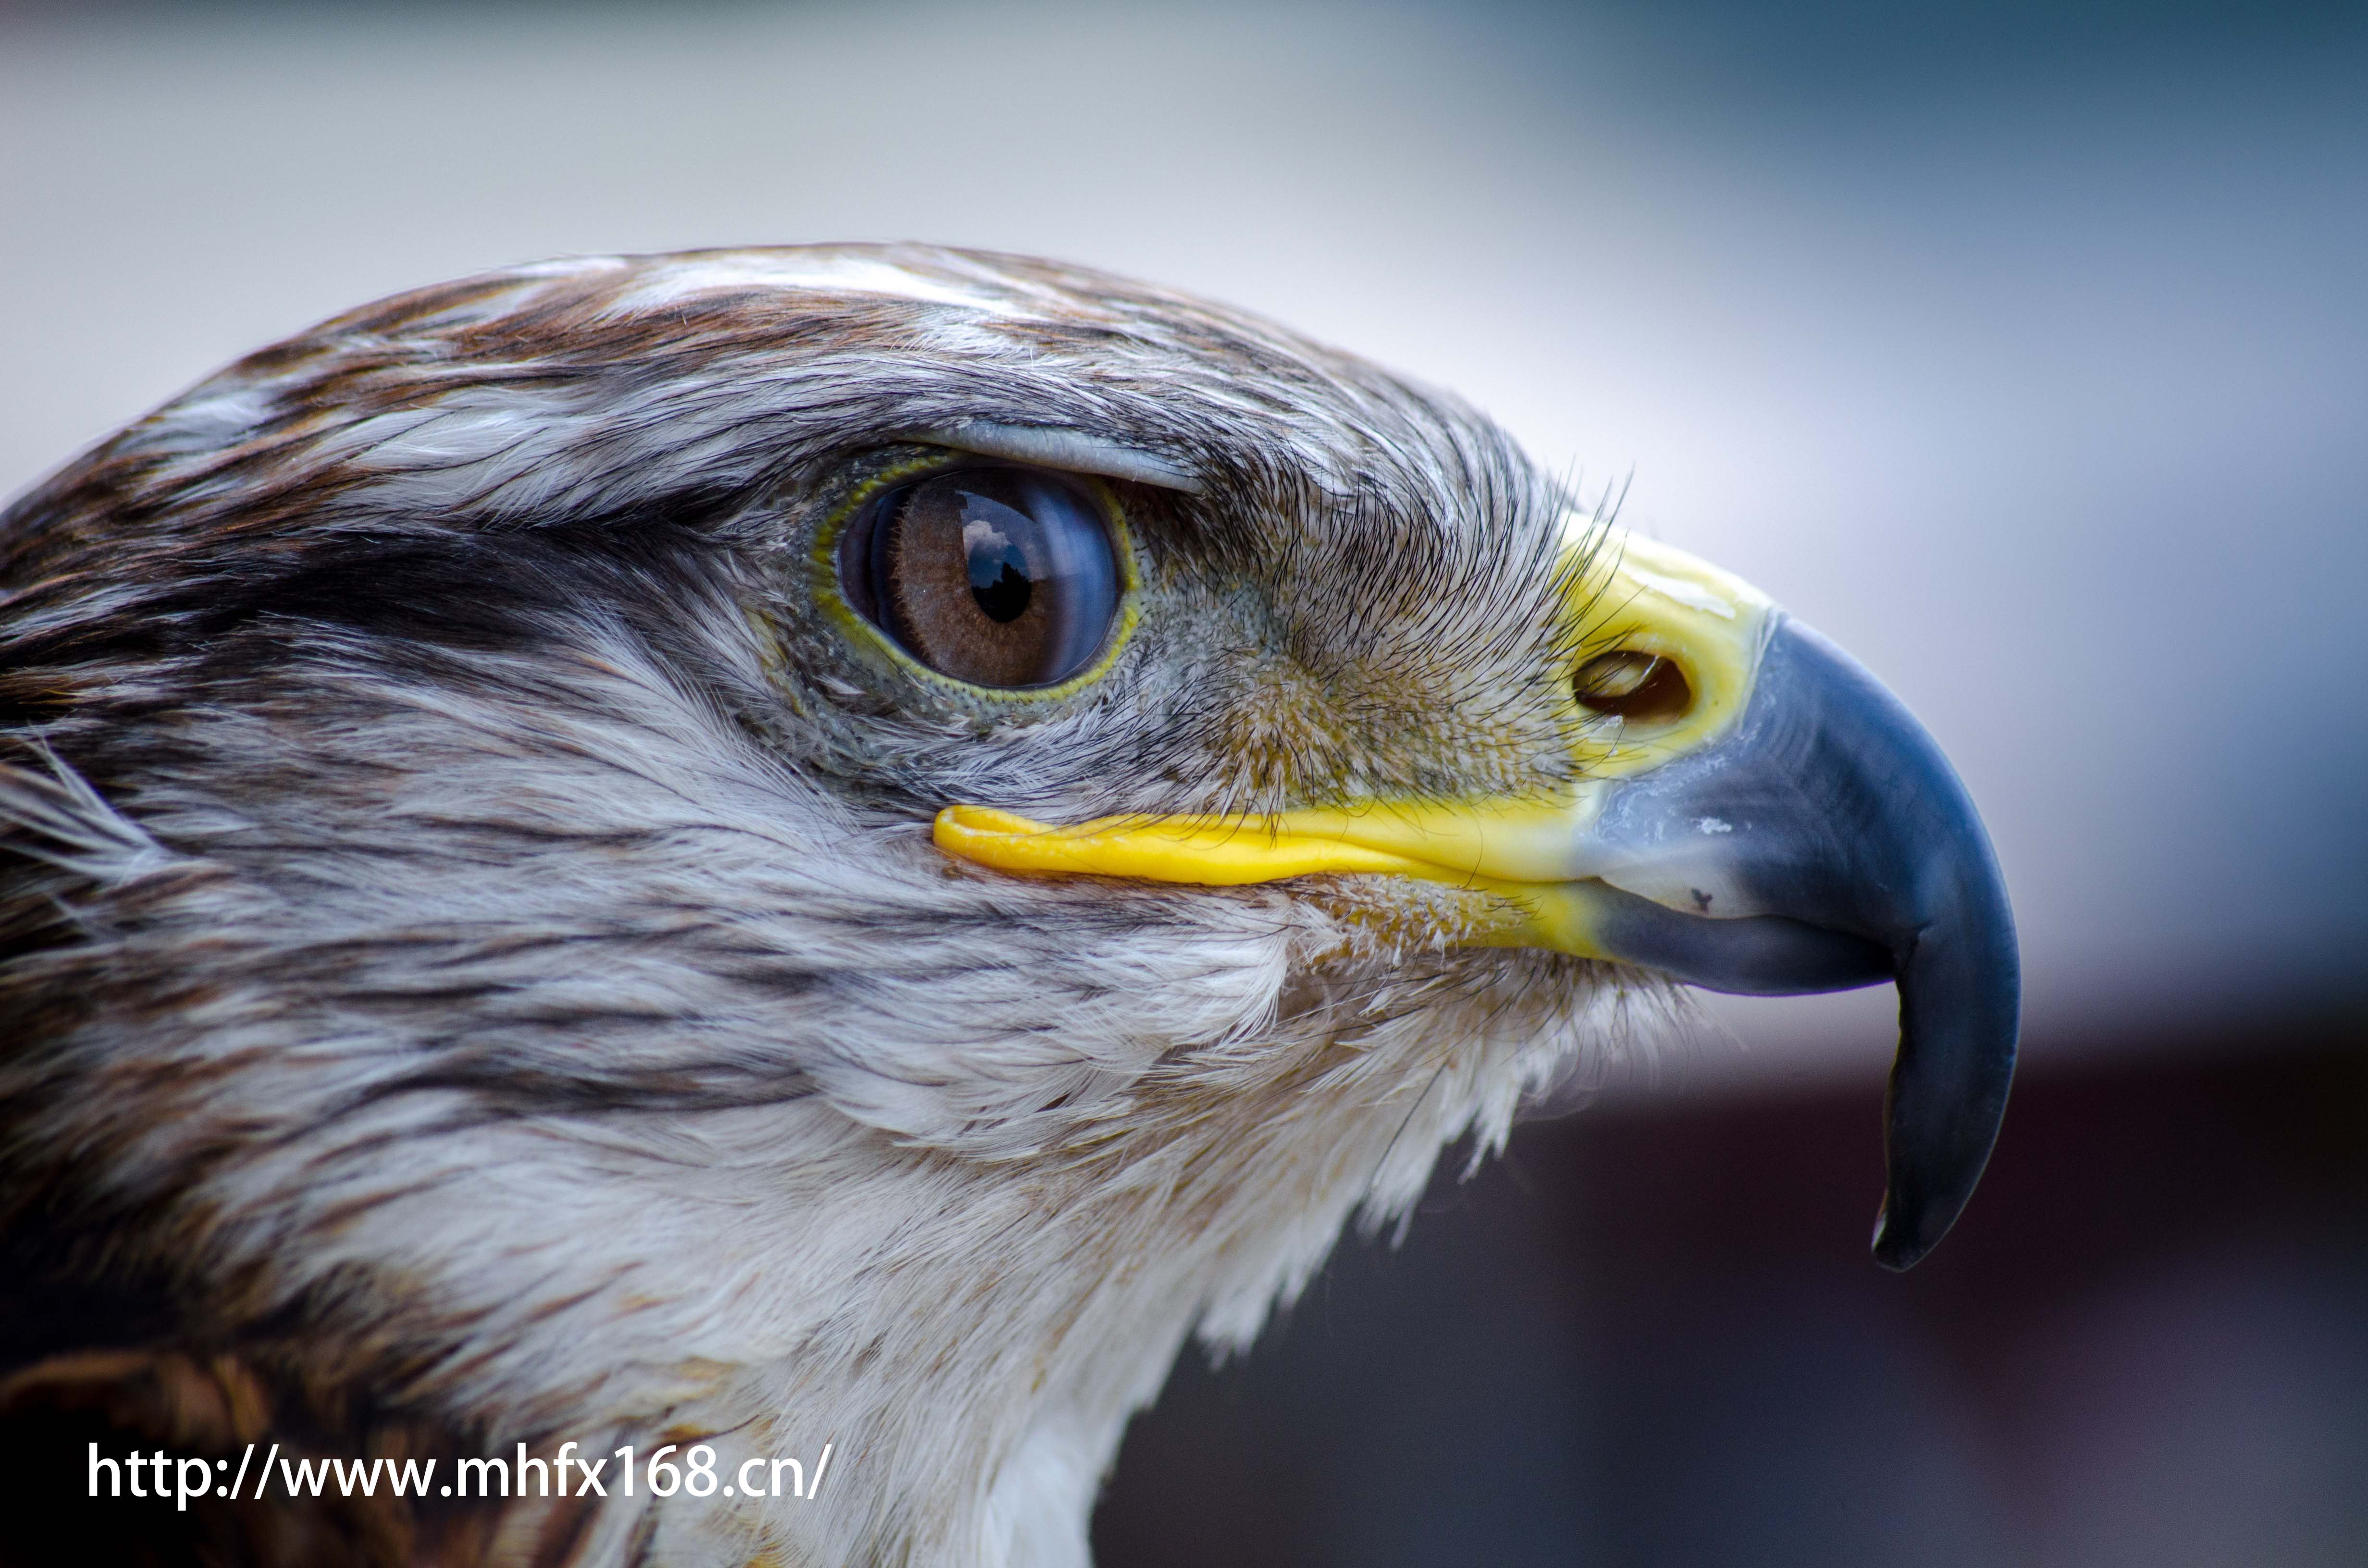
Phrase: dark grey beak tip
pixel 1960 1023
pixel 1894 1248
pixel 1913 1220
pixel 1947 1101
pixel 1900 1246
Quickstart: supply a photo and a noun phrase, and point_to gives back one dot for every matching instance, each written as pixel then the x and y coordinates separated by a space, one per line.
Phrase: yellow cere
pixel 1649 597
pixel 1713 624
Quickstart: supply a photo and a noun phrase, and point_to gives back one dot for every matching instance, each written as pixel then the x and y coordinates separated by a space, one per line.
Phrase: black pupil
pixel 998 570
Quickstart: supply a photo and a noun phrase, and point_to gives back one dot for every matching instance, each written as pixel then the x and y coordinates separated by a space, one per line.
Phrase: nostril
pixel 1630 685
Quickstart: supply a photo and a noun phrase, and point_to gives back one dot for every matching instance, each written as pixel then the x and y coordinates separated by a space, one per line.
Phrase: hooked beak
pixel 1755 814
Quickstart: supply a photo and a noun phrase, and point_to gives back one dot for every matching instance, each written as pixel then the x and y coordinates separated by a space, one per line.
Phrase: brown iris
pixel 1628 685
pixel 1001 577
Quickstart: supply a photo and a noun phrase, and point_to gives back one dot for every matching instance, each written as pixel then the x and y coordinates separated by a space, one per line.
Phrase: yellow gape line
pixel 1210 851
pixel 1213 852
pixel 1472 844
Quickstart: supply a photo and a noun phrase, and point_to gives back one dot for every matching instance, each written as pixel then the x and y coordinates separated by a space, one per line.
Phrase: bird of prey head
pixel 847 845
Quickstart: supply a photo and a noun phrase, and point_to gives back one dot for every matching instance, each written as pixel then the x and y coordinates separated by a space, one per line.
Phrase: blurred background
pixel 2021 348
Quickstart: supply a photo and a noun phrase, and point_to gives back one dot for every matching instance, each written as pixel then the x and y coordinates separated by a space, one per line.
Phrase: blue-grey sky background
pixel 2022 348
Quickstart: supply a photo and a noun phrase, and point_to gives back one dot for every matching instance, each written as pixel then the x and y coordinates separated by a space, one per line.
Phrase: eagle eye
pixel 1002 576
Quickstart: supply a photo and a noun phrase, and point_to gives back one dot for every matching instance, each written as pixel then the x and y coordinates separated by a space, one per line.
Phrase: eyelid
pixel 1063 446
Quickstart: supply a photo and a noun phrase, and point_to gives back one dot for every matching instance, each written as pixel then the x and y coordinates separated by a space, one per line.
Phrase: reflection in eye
pixel 998 572
pixel 1002 576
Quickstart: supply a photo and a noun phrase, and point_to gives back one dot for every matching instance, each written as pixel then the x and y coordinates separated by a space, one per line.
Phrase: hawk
pixel 734 851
